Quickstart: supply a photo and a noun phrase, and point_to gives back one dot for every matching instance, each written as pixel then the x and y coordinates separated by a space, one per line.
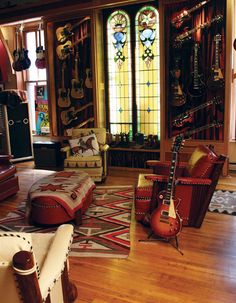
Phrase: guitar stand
pixel 166 240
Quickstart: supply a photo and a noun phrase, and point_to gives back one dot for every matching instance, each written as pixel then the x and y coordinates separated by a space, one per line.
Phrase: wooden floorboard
pixel 154 272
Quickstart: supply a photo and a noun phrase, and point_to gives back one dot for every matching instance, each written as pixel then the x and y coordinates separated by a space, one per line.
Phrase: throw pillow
pixel 85 146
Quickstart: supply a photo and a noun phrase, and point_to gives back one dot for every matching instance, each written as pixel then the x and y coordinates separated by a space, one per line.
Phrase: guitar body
pixel 40 61
pixel 165 220
pixel 180 122
pixel 16 65
pixel 64 97
pixel 64 50
pixel 25 61
pixel 67 116
pixel 216 80
pixel 178 98
pixel 88 80
pixel 77 91
pixel 197 87
pixel 64 32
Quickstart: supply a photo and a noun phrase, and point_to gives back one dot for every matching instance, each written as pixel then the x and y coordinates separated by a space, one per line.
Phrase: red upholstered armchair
pixel 196 181
pixel 8 180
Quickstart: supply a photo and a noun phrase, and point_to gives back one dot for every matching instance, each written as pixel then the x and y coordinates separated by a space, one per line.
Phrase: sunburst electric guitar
pixel 165 220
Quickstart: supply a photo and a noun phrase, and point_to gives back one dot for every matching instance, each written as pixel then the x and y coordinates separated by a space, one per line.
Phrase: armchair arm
pixel 67 150
pixel 56 258
pixel 157 178
pixel 193 181
pixel 104 147
pixel 5 159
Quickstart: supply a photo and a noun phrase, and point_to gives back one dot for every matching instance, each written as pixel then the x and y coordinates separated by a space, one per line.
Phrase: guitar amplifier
pixel 47 154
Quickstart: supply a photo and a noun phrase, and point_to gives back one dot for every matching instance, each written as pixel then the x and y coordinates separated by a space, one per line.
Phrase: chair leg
pixel 70 292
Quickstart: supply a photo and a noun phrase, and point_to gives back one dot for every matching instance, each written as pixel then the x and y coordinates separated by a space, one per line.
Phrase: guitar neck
pixel 191 10
pixel 171 180
pixel 63 78
pixel 217 54
pixel 197 108
pixel 188 134
pixel 195 66
pixel 186 34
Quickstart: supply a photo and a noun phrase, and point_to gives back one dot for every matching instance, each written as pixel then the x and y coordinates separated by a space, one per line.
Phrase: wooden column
pixel 25 272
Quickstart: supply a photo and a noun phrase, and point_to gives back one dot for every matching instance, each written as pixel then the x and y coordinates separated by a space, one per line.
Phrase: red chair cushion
pixel 201 162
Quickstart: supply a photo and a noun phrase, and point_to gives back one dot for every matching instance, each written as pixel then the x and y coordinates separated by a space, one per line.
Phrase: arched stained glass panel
pixel 147 73
pixel 119 72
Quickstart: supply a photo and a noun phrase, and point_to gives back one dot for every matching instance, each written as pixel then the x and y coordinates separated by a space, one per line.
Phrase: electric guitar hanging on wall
pixel 77 91
pixel 66 31
pixel 197 87
pixel 64 50
pixel 178 19
pixel 165 220
pixel 70 115
pixel 64 93
pixel 180 120
pixel 187 35
pixel 177 96
pixel 216 79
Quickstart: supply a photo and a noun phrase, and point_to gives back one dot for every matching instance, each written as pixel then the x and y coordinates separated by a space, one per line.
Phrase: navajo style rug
pixel 223 201
pixel 105 226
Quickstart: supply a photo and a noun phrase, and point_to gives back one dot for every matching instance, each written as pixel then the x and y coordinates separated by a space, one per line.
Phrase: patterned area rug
pixel 223 201
pixel 105 227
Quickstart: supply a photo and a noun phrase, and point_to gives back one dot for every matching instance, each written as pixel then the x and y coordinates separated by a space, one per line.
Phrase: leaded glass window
pixel 133 70
pixel 119 72
pixel 147 73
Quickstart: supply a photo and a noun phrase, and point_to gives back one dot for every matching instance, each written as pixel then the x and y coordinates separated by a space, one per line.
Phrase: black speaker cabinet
pixel 19 132
pixel 47 154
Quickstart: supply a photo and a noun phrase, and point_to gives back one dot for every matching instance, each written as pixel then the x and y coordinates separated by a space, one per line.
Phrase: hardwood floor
pixel 154 272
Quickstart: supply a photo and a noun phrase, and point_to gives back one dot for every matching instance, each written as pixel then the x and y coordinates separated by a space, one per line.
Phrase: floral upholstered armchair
pixel 34 267
pixel 87 151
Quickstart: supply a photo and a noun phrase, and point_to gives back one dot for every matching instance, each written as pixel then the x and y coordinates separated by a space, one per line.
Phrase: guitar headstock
pixel 217 19
pixel 217 38
pixel 178 143
pixel 217 100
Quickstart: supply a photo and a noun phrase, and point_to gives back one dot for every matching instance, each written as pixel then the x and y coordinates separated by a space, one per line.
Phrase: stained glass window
pixel 119 72
pixel 147 73
pixel 133 71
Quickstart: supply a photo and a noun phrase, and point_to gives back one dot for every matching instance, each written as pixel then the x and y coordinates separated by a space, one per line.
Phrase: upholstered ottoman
pixel 60 197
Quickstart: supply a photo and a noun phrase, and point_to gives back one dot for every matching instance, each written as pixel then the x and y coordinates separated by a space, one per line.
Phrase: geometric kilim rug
pixel 105 228
pixel 223 201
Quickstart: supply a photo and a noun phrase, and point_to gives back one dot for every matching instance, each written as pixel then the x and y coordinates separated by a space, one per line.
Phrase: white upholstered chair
pixel 87 155
pixel 33 267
